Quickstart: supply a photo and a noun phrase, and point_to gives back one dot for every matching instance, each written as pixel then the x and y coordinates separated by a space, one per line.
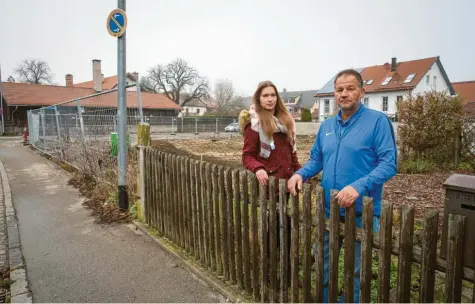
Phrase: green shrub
pixel 306 115
pixel 428 126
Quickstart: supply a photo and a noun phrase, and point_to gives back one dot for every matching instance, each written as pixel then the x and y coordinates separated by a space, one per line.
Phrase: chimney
pixel 393 64
pixel 69 80
pixel 97 75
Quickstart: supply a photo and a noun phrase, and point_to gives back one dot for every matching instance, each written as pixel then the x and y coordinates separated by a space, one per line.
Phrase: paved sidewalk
pixel 69 258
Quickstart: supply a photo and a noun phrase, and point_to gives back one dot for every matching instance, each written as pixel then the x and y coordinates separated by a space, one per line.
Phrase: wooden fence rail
pixel 261 241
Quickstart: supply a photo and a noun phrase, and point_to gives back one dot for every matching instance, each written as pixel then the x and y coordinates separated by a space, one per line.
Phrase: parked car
pixel 233 127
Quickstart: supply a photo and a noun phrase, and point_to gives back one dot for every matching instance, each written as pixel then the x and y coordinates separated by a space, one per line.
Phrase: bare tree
pixel 10 79
pixel 178 80
pixel 225 99
pixel 34 71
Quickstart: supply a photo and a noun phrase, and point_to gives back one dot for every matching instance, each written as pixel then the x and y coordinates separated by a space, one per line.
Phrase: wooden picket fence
pixel 215 215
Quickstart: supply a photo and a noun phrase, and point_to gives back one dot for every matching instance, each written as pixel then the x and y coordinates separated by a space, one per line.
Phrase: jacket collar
pixel 353 117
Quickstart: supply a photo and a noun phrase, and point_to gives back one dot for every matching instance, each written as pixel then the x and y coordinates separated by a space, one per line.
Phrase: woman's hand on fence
pixel 294 181
pixel 262 176
pixel 347 196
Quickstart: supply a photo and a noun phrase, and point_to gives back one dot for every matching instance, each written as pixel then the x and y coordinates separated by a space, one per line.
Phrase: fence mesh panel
pixel 83 132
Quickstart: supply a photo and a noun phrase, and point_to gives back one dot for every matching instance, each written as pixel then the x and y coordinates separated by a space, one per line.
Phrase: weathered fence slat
pixel 224 223
pixel 230 223
pixel 405 254
pixel 334 248
pixel 366 251
pixel 294 252
pixel 155 189
pixel 255 240
pixel 188 230
pixel 183 203
pixel 204 218
pixel 385 244
pixel 177 200
pixel 284 239
pixel 166 159
pixel 217 223
pixel 180 201
pixel 264 242
pixel 320 236
pixel 209 186
pixel 349 258
pixel 307 246
pixel 152 192
pixel 149 187
pixel 455 255
pixel 173 198
pixel 146 186
pixel 201 229
pixel 429 255
pixel 273 226
pixel 237 230
pixel 160 193
pixel 194 206
pixel 245 227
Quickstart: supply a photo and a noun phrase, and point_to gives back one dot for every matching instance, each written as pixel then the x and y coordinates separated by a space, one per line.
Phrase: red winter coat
pixel 282 162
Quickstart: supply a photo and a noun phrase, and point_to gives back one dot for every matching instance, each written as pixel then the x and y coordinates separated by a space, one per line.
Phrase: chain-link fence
pixel 84 132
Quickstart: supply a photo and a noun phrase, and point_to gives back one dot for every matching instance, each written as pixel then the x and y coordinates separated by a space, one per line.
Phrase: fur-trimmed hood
pixel 244 120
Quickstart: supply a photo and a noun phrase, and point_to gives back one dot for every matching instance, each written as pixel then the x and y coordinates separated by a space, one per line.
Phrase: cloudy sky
pixel 297 44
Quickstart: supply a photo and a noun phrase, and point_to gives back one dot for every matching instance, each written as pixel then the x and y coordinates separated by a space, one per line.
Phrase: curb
pixel 196 269
pixel 19 290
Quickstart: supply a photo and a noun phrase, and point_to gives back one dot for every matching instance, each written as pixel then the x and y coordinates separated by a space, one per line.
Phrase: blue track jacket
pixel 360 152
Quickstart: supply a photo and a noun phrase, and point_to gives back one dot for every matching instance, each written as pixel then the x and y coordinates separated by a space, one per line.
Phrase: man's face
pixel 348 93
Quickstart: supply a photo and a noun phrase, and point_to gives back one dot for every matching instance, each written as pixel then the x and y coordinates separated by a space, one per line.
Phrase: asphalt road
pixel 69 258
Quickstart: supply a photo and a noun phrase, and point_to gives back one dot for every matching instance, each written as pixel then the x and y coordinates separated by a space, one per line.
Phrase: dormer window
pixel 387 80
pixel 368 82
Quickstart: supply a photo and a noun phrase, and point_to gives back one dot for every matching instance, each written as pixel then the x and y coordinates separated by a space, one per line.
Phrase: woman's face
pixel 268 98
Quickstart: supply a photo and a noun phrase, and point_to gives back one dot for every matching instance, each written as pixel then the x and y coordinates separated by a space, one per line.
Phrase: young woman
pixel 269 142
pixel 269 136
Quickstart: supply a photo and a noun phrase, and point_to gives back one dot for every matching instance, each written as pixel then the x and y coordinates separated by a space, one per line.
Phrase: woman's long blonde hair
pixel 266 120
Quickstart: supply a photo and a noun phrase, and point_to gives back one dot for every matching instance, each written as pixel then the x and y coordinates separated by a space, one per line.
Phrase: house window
pixel 434 84
pixel 197 111
pixel 387 80
pixel 385 103
pixel 369 81
pixel 399 98
pixel 187 111
pixel 366 101
pixel 409 78
pixel 327 105
pixel 428 80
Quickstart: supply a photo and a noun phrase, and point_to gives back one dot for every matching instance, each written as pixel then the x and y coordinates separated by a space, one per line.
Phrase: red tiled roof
pixel 466 90
pixel 469 109
pixel 107 84
pixel 24 94
pixel 403 69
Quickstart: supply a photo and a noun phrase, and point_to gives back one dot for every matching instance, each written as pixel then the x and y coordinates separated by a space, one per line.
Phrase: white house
pixel 387 83
pixel 193 108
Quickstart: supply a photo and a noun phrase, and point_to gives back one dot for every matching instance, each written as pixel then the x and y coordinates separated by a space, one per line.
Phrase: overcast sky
pixel 297 44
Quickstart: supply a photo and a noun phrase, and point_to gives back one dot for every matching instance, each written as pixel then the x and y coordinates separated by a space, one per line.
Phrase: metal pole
pixel 81 121
pixel 43 128
pixel 122 109
pixel 59 132
pixel 139 100
pixel 217 125
pixel 196 125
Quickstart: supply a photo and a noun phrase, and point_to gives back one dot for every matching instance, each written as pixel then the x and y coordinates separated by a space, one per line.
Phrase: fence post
pixel 217 125
pixel 59 132
pixel 457 151
pixel 43 128
pixel 81 121
pixel 196 125
pixel 143 138
pixel 139 100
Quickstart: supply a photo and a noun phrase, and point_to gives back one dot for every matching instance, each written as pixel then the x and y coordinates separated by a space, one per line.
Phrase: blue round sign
pixel 117 22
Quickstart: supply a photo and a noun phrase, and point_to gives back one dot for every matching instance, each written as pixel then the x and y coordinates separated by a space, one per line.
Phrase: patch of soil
pixel 177 149
pixel 97 200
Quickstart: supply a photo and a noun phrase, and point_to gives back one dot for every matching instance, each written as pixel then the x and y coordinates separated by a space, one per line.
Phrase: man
pixel 356 149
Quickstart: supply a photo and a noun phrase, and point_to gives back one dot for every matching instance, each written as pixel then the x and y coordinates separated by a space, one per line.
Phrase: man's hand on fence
pixel 347 196
pixel 295 180
pixel 262 176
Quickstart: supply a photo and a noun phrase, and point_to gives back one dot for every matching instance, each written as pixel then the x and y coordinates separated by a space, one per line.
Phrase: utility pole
pixel 122 113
